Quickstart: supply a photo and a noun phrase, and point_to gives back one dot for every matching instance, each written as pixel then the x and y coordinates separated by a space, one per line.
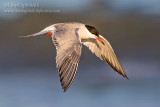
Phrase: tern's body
pixel 68 39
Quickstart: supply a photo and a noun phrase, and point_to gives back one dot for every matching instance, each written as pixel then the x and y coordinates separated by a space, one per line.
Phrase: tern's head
pixel 95 32
pixel 92 30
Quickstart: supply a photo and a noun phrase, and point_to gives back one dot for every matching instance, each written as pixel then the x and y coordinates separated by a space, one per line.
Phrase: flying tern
pixel 68 39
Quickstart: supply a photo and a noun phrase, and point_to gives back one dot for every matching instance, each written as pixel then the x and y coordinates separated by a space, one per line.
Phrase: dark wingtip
pixel 126 76
pixel 65 89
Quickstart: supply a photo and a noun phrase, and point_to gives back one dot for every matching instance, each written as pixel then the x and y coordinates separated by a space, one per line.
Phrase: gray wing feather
pixel 68 47
pixel 105 52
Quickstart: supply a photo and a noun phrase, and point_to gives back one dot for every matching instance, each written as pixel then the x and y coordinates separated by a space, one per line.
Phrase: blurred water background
pixel 28 74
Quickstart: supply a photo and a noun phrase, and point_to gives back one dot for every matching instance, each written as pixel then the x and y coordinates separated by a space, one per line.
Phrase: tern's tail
pixel 44 31
pixel 36 34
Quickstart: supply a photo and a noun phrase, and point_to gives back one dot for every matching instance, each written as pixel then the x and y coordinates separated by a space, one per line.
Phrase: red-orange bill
pixel 99 40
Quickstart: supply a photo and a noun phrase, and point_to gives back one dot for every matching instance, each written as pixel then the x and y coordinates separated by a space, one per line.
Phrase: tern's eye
pixel 92 30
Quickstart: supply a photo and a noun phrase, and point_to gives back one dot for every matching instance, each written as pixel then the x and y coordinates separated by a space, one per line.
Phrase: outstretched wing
pixel 68 47
pixel 105 52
